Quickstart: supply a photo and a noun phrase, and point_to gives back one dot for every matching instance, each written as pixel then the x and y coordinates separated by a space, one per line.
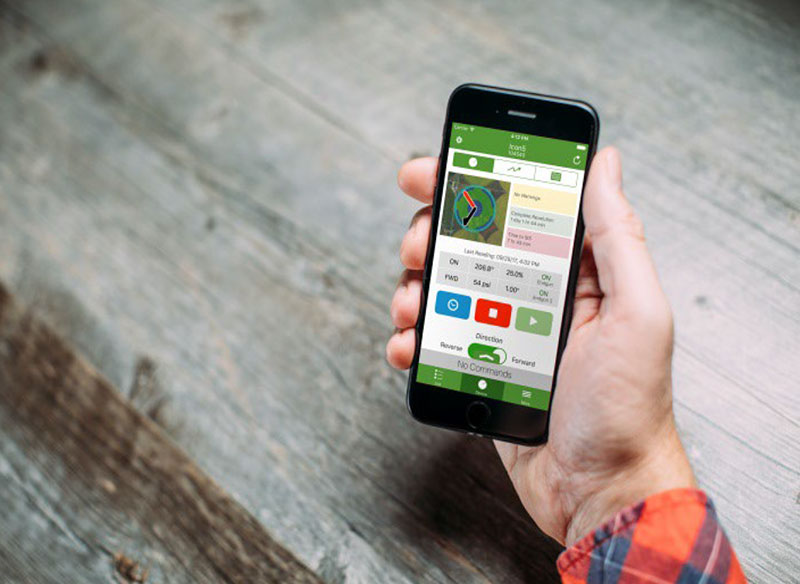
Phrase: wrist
pixel 664 468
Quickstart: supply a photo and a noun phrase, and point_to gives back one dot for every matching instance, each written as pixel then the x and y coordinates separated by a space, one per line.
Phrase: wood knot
pixel 239 22
pixel 146 392
pixel 129 569
pixel 53 59
pixel 5 300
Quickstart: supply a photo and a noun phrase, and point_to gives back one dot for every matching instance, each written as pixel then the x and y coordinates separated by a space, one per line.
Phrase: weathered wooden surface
pixel 208 187
pixel 88 481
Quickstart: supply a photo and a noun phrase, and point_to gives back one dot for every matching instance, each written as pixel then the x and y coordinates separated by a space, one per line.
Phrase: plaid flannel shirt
pixel 670 538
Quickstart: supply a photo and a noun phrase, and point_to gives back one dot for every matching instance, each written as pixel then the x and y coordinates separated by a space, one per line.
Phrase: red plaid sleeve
pixel 671 537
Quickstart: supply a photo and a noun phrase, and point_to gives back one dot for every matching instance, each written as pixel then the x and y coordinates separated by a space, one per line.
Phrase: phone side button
pixel 478 414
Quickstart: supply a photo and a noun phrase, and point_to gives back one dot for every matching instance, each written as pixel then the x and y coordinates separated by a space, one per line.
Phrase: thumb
pixel 625 269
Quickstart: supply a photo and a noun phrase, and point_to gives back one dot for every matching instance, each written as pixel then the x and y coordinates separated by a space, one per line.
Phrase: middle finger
pixel 415 242
pixel 406 300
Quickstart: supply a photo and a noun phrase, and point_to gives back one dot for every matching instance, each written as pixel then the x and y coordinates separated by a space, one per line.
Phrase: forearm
pixel 663 468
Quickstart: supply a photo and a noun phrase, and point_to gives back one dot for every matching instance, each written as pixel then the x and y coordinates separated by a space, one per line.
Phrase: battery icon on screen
pixel 581 147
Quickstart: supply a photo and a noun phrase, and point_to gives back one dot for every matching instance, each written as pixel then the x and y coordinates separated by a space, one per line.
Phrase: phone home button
pixel 478 414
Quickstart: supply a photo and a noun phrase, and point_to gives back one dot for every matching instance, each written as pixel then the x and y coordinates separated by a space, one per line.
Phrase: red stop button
pixel 494 313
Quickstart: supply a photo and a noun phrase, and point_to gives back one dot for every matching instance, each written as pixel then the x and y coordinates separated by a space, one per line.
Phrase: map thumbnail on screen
pixel 475 208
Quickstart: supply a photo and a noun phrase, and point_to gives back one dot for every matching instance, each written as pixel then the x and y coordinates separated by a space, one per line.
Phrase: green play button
pixel 533 321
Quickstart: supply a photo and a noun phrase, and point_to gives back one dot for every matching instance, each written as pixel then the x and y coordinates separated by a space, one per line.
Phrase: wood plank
pixel 150 119
pixel 761 208
pixel 304 482
pixel 88 475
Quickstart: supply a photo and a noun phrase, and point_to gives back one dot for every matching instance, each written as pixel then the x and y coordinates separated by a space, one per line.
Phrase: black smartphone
pixel 502 262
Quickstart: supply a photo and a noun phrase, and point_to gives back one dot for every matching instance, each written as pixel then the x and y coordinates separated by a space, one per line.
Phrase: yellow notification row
pixel 544 199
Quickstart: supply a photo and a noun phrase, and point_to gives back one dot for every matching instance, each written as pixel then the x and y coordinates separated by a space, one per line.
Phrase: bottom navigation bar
pixel 483 387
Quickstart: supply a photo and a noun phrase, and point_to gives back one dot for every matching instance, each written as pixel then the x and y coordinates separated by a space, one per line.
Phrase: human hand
pixel 612 438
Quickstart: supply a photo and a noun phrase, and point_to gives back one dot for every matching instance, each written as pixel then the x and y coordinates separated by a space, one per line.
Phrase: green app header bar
pixel 522 146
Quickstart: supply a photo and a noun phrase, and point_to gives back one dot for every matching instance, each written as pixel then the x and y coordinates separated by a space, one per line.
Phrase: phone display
pixel 498 281
pixel 502 261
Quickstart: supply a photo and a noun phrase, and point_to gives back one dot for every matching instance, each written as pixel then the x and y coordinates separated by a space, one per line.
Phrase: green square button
pixel 526 396
pixel 533 321
pixel 439 377
pixel 482 386
pixel 465 160
pixel 555 176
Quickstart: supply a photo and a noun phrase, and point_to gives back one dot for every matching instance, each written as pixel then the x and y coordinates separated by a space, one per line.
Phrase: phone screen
pixel 501 260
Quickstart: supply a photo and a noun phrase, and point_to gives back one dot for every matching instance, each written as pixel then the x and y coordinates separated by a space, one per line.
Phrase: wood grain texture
pixel 89 476
pixel 200 196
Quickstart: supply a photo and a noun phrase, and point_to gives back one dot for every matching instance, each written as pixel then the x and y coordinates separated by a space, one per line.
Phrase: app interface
pixel 501 264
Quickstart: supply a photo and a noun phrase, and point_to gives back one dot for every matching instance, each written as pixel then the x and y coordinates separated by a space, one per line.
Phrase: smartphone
pixel 502 263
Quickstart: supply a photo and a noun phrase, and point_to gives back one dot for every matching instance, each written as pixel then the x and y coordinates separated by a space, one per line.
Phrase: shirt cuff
pixel 671 536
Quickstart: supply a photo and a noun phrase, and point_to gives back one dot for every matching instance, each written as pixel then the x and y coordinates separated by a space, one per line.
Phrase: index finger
pixel 417 178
